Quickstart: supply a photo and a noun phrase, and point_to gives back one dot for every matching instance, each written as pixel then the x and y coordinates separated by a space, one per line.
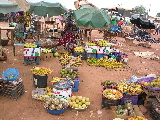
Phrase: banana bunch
pixel 102 43
pixel 46 51
pixel 112 63
pixel 92 61
pixel 77 62
pixel 78 49
pixel 55 80
pixel 102 61
pixel 41 71
pixel 132 88
pixel 49 91
pixel 64 59
pixel 91 44
pixel 30 45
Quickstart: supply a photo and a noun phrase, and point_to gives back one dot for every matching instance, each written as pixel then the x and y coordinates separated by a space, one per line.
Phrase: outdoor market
pixel 83 64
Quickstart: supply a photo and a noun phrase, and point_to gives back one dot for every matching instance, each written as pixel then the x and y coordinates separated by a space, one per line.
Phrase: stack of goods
pixel 31 54
pixel 111 97
pixel 130 91
pixel 40 76
pixel 11 86
pixel 79 103
pixel 100 48
pixel 63 88
pixel 74 75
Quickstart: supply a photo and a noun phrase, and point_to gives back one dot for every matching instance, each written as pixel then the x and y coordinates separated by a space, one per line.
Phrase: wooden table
pixel 12 33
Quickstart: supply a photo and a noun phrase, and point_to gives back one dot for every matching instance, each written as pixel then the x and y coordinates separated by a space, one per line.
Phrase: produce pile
pixel 54 103
pixel 41 71
pixel 137 118
pixel 109 84
pixel 77 62
pixel 101 43
pixel 79 102
pixel 152 84
pixel 112 94
pixel 129 88
pixel 105 62
pixel 64 59
pixel 126 110
pixel 46 51
pixel 30 45
pixel 79 49
pixel 69 73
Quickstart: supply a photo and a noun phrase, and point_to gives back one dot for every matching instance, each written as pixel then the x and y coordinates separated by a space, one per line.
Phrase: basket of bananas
pixel 41 71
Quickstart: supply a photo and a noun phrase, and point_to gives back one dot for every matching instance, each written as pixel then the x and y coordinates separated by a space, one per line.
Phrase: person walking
pixel 157 29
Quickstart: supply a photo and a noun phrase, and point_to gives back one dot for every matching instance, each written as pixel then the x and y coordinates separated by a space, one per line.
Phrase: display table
pixel 12 33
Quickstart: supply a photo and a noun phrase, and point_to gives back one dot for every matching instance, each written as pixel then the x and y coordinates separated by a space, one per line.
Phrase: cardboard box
pixel 31 52
pixel 46 56
pixel 91 49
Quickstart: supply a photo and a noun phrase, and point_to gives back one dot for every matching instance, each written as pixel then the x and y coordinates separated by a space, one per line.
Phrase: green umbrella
pixel 43 8
pixel 7 6
pixel 88 16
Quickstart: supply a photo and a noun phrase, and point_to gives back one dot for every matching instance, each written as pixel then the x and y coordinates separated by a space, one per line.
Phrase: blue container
pixel 38 44
pixel 91 55
pixel 56 112
pixel 129 98
pixel 101 55
pixel 76 85
pixel 10 72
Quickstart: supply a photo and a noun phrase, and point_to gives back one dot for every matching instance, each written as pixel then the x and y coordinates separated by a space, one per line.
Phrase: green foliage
pixel 140 9
pixel 158 15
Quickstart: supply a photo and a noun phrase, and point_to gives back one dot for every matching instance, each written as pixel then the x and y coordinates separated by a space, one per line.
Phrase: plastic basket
pixel 56 112
pixel 10 72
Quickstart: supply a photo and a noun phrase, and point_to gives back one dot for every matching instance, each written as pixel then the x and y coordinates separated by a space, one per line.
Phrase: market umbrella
pixel 46 8
pixel 7 6
pixel 90 17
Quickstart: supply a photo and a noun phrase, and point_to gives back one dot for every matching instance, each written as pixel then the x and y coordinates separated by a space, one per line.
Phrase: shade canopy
pixel 46 8
pixel 7 6
pixel 90 17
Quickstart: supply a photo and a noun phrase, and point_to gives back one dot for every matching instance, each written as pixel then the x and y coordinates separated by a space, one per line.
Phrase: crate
pixel 91 55
pixel 76 84
pixel 106 103
pixel 13 92
pixel 129 98
pixel 155 115
pixel 83 54
pixel 31 60
pixel 46 56
pixel 155 104
pixel 101 55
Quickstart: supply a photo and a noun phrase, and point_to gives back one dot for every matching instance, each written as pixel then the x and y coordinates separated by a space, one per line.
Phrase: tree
pixel 158 15
pixel 140 9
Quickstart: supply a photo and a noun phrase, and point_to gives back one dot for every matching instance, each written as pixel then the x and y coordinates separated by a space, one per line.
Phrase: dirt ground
pixel 26 108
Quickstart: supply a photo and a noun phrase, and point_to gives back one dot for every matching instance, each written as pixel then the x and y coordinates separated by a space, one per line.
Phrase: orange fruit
pixel 145 83
pixel 142 82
